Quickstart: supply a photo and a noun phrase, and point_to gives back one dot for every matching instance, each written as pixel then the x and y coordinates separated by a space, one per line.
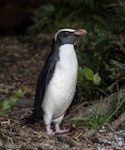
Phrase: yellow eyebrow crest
pixel 61 30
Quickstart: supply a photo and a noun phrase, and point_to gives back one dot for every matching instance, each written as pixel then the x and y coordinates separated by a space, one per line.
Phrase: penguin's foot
pixel 58 130
pixel 49 130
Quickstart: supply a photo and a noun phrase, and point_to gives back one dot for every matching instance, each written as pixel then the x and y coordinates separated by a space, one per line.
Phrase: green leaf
pixel 89 74
pixel 80 74
pixel 7 104
pixel 97 79
pixel 111 87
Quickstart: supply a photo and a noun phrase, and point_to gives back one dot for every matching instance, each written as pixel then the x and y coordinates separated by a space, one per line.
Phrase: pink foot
pixel 49 130
pixel 58 130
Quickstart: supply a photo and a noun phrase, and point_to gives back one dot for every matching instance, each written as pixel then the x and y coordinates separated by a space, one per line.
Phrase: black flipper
pixel 43 80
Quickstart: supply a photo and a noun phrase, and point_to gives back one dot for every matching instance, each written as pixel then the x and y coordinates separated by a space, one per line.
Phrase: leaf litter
pixel 21 59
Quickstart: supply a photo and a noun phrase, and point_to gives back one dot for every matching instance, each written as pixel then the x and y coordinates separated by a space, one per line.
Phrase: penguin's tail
pixel 35 117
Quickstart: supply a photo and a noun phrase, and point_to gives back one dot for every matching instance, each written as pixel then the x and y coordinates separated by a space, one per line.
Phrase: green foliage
pixel 97 118
pixel 6 105
pixel 105 55
pixel 123 126
pixel 41 17
pixel 89 74
pixel 55 14
pixel 102 49
pixel 97 79
pixel 89 81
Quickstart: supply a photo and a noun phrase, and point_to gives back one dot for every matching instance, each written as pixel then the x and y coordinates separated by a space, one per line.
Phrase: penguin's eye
pixel 66 33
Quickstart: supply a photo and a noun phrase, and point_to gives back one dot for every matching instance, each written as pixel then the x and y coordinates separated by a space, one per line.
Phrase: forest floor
pixel 21 60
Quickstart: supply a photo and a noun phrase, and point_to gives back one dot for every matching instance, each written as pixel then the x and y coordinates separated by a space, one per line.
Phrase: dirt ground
pixel 21 59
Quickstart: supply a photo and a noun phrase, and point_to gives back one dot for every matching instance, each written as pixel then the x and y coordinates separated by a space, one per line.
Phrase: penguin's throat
pixel 66 50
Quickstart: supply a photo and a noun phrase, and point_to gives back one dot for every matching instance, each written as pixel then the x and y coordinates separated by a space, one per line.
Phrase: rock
pixel 24 102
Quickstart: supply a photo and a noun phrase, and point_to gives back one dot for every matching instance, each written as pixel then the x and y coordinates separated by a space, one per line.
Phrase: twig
pixel 118 121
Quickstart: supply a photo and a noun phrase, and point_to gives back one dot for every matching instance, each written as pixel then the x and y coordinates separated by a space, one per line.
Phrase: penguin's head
pixel 68 35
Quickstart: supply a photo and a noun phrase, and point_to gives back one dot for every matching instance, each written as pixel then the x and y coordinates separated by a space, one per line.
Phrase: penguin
pixel 56 85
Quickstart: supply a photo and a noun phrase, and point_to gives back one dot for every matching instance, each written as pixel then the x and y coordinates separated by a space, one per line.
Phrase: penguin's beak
pixel 80 32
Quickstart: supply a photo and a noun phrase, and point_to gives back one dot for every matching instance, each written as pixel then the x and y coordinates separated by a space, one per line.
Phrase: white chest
pixel 68 58
pixel 61 89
